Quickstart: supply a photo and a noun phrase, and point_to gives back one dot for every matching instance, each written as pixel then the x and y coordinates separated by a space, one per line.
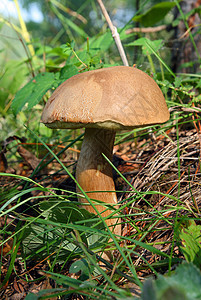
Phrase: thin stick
pixel 147 29
pixel 115 33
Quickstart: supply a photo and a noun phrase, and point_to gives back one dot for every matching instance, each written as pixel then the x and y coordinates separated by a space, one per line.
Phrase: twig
pixel 115 33
pixel 146 30
pixel 186 109
pixel 186 33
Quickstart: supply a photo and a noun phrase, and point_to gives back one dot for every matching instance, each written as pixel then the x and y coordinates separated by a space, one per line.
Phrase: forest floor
pixel 165 168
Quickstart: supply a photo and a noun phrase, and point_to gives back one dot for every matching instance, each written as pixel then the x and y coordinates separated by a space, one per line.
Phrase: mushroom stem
pixel 94 173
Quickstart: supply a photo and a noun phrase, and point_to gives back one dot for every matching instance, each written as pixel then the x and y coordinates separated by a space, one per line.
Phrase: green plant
pixel 50 236
pixel 190 237
pixel 155 14
pixel 184 283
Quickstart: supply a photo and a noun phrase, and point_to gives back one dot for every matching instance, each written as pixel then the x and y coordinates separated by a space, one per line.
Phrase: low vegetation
pixel 52 248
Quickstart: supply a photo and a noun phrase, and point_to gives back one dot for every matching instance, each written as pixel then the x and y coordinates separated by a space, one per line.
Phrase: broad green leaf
pixel 68 71
pixel 184 284
pixel 81 266
pixel 155 14
pixel 32 296
pixel 63 212
pixel 155 45
pixel 78 266
pixel 42 83
pixel 70 213
pixel 149 290
pixel 33 91
pixel 191 241
pixel 52 234
pixel 101 43
pixel 39 240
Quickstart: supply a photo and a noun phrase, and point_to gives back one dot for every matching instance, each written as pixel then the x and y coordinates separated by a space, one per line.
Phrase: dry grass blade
pixel 158 184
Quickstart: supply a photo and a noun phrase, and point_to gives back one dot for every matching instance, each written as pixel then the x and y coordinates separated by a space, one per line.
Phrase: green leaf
pixel 52 233
pixel 178 81
pixel 43 293
pixel 39 240
pixel 144 42
pixel 32 296
pixel 69 212
pixel 184 284
pixel 42 83
pixel 68 71
pixel 101 42
pixel 149 290
pixel 33 91
pixel 63 212
pixel 77 266
pixel 83 267
pixel 191 241
pixel 155 14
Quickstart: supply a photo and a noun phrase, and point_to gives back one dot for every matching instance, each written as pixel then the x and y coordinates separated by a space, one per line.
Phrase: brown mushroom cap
pixel 111 98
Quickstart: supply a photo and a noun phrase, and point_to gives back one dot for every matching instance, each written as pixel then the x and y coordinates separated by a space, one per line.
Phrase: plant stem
pixel 115 33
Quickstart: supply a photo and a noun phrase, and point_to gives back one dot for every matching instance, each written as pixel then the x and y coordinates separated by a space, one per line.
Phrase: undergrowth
pixel 45 235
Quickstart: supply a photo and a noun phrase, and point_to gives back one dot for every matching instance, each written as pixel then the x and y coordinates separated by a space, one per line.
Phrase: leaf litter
pixel 166 189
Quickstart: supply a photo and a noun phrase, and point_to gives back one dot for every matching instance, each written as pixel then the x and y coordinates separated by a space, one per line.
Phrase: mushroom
pixel 104 101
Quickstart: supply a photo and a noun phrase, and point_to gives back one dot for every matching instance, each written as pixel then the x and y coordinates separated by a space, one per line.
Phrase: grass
pixel 55 232
pixel 46 227
pixel 48 242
